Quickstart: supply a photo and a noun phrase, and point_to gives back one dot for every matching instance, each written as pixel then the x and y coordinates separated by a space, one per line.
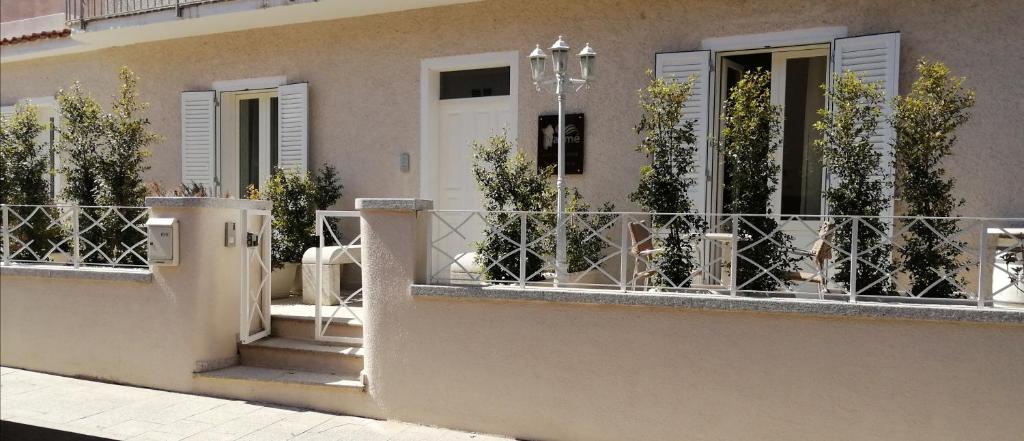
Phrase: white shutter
pixel 680 66
pixel 293 126
pixel 874 59
pixel 199 139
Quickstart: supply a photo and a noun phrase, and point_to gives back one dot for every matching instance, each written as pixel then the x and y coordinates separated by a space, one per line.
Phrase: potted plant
pixel 1012 295
pixel 295 197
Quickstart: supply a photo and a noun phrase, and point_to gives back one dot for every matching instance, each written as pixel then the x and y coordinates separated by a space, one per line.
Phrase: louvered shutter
pixel 199 139
pixel 680 66
pixel 875 59
pixel 293 126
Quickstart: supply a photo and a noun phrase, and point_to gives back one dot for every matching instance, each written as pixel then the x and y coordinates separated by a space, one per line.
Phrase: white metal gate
pixel 328 231
pixel 254 243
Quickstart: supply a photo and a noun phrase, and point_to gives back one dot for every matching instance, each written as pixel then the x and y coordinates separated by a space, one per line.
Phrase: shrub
pixel 295 197
pixel 24 166
pixel 105 156
pixel 23 162
pixel 925 122
pixel 511 182
pixel 749 139
pixel 669 141
pixel 852 159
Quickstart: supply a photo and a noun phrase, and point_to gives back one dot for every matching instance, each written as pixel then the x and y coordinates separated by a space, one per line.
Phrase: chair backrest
pixel 641 237
pixel 822 248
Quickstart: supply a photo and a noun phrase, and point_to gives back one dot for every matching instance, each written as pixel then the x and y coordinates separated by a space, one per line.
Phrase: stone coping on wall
pixel 394 204
pixel 140 275
pixel 714 302
pixel 196 202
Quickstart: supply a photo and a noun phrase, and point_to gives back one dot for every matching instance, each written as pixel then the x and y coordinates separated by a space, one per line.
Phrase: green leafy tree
pixel 925 122
pixel 511 182
pixel 80 142
pixel 852 159
pixel 24 165
pixel 669 140
pixel 749 139
pixel 295 197
pixel 104 160
pixel 127 138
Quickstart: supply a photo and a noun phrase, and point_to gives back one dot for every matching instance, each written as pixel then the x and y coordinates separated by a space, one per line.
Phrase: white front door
pixel 461 123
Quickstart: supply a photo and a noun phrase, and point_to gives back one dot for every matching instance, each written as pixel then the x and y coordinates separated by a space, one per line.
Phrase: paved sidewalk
pixel 124 412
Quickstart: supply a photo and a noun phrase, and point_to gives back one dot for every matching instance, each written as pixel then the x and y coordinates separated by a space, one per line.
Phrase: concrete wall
pixel 153 334
pixel 21 9
pixel 542 370
pixel 364 78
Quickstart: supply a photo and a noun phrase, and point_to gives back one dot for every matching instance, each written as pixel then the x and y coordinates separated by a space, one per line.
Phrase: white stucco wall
pixel 152 334
pixel 546 370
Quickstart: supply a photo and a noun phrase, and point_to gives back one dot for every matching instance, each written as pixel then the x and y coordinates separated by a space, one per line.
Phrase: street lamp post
pixel 560 58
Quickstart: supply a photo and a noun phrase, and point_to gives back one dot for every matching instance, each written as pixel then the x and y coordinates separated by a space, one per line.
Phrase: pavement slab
pixel 120 412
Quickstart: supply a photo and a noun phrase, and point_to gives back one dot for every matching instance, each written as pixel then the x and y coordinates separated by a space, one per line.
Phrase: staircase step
pixel 301 327
pixel 302 355
pixel 262 374
pixel 326 392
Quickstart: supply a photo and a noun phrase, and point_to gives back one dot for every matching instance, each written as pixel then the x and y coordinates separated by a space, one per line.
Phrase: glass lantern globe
pixel 538 61
pixel 560 55
pixel 587 57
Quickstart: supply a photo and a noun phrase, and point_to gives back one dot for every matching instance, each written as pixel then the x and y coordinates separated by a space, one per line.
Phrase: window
pixel 250 138
pixel 475 83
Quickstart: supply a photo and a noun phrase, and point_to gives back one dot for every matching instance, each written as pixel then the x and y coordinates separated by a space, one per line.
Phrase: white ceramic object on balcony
pixel 1012 296
pixel 333 259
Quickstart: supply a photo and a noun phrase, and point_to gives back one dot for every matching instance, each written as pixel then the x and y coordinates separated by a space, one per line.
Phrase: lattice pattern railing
pixel 820 257
pixel 337 230
pixel 75 235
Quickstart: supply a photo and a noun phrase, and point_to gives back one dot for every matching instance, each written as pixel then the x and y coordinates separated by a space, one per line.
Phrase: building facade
pixel 392 94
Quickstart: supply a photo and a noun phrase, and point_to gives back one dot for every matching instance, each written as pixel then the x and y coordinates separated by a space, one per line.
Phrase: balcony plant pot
pixel 286 281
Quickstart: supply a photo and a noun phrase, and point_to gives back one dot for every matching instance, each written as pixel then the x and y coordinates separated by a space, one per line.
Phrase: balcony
pixel 80 12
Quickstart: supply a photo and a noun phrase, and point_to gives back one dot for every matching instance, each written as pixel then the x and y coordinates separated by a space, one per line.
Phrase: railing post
pixel 853 259
pixel 733 259
pixel 7 236
pixel 522 250
pixel 76 255
pixel 623 252
pixel 319 274
pixel 982 247
pixel 429 258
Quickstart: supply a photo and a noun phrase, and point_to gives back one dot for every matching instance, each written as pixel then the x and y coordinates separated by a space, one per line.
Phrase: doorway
pixel 797 74
pixel 796 78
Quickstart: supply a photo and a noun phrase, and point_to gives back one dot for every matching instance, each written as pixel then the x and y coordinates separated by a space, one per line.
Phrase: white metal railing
pixel 74 235
pixel 853 258
pixel 347 293
pixel 82 11
pixel 254 254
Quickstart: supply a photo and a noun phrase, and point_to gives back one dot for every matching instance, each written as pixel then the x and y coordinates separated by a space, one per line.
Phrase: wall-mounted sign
pixel 547 142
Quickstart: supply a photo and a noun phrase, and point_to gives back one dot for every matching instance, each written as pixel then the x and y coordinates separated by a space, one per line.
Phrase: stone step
pixel 302 328
pixel 326 392
pixel 302 355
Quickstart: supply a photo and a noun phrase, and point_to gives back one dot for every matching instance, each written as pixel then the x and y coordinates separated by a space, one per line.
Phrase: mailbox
pixel 163 241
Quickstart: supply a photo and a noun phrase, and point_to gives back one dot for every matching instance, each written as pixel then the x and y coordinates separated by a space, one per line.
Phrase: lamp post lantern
pixel 560 61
